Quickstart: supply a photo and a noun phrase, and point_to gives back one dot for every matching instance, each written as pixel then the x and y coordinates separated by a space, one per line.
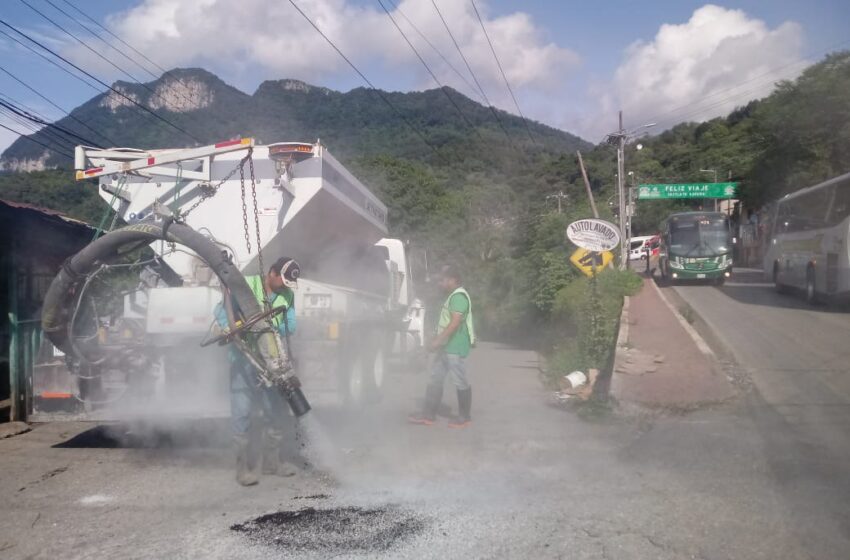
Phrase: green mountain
pixel 352 124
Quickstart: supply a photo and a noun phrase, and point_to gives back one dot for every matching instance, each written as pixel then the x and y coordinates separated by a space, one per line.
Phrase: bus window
pixel 840 204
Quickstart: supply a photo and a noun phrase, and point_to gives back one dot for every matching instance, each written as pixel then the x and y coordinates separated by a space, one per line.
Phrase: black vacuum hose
pixel 60 297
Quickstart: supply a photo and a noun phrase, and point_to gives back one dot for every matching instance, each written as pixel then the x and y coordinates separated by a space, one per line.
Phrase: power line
pixel 104 84
pixel 31 139
pixel 48 135
pixel 35 119
pixel 436 50
pixel 104 41
pixel 771 72
pixel 117 38
pixel 474 77
pixel 119 51
pixel 32 89
pixel 87 46
pixel 365 79
pixel 504 77
pixel 428 68
pixel 51 61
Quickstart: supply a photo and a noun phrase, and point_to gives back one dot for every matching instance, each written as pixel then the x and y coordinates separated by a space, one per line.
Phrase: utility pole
pixel 621 164
pixel 619 139
pixel 560 196
pixel 715 180
pixel 587 186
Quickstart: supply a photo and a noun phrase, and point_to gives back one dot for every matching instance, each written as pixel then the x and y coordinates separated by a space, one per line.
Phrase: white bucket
pixel 576 379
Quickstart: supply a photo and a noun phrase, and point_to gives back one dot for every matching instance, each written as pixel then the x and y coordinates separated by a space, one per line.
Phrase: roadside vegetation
pixel 585 322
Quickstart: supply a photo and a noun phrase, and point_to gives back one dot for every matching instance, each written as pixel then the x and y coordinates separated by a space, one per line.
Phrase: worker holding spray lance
pixel 259 415
pixel 452 344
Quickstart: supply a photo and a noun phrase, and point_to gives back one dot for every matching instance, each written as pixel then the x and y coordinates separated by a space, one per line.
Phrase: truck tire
pixel 362 369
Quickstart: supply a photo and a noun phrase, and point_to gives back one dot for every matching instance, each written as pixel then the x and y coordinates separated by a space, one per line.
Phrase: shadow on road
pixel 186 434
pixel 749 286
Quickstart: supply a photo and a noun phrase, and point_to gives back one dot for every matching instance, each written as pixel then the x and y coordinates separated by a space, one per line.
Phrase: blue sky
pixel 572 64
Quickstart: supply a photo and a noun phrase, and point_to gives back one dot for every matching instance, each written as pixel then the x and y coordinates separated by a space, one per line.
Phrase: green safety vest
pixel 256 285
pixel 446 316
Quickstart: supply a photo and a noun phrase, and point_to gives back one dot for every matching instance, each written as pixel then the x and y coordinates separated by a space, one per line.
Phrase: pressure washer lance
pixel 281 375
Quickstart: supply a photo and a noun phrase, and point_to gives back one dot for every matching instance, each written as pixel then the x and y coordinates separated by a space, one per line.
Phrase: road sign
pixel 687 190
pixel 586 260
pixel 594 235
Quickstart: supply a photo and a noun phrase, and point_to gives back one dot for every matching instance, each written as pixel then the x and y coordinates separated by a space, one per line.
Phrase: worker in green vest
pixel 454 338
pixel 259 415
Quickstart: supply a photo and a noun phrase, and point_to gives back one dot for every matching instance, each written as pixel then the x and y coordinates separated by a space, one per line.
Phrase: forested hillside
pixel 480 199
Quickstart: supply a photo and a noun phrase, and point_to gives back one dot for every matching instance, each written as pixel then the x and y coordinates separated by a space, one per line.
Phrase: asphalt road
pixel 798 359
pixel 527 480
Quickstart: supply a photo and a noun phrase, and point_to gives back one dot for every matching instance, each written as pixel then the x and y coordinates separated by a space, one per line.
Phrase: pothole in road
pixel 338 530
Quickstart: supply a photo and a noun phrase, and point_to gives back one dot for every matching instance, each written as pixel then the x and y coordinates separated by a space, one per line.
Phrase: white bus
pixel 809 243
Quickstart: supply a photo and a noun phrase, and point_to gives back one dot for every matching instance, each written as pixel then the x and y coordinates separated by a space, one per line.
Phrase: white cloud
pixel 274 41
pixel 719 59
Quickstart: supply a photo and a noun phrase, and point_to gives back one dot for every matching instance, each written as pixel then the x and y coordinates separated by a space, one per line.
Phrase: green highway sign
pixel 687 190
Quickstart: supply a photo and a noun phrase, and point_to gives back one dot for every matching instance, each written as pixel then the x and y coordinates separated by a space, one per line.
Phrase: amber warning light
pixel 290 150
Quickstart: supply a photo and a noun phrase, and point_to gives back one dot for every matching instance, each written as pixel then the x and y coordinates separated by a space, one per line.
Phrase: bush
pixel 592 314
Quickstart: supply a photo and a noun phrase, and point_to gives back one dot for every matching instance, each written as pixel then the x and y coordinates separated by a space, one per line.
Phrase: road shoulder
pixel 661 361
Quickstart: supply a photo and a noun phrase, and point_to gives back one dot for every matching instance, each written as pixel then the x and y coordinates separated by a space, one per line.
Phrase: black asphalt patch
pixel 338 530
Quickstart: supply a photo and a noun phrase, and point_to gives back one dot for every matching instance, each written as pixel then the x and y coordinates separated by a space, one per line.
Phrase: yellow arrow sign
pixel 585 260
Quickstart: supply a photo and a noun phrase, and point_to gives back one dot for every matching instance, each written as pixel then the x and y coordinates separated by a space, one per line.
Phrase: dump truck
pixel 356 310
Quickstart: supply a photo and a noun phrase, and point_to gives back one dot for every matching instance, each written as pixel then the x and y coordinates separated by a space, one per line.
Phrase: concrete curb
pixel 623 334
pixel 621 346
pixel 695 336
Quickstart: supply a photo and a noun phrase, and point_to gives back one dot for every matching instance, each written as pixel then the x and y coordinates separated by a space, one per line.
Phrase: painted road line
pixel 698 340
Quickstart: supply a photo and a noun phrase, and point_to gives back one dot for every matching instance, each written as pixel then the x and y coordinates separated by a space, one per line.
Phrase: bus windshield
pixel 699 236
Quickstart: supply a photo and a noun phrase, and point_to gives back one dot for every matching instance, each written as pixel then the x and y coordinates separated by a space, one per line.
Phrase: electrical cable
pixel 769 73
pixel 431 72
pixel 84 44
pixel 68 113
pixel 474 77
pixel 87 46
pixel 46 135
pixel 104 84
pixel 51 61
pixel 67 155
pixel 504 77
pixel 436 50
pixel 365 79
pixel 163 72
pixel 42 122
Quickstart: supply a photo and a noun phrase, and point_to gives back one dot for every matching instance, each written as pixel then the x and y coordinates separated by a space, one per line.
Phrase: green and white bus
pixel 696 246
pixel 809 242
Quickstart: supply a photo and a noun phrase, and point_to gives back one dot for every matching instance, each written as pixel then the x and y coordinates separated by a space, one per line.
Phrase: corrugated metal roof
pixel 45 212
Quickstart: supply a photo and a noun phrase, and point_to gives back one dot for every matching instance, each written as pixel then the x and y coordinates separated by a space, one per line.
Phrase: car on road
pixel 638 246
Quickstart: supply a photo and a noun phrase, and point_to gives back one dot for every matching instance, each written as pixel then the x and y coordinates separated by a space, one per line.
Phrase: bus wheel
pixel 780 288
pixel 811 294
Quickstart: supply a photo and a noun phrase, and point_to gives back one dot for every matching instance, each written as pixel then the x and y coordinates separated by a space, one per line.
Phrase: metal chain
pixel 257 225
pixel 210 190
pixel 244 206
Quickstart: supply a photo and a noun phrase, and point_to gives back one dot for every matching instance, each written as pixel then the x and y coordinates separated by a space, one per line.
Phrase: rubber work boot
pixel 464 405
pixel 272 450
pixel 433 396
pixel 246 474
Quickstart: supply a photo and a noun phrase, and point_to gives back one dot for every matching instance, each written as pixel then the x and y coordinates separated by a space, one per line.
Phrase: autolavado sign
pixel 594 235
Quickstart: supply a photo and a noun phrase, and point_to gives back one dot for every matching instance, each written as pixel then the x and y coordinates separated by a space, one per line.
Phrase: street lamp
pixel 715 180
pixel 619 139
